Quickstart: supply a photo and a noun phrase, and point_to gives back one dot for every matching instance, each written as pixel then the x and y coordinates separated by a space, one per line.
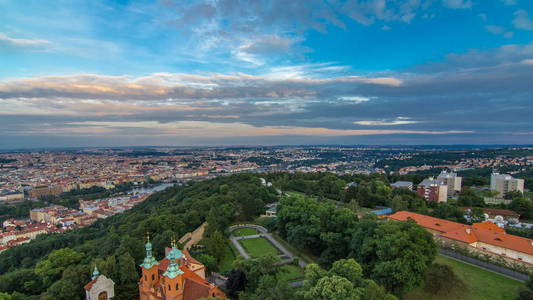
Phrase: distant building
pixel 402 185
pixel 11 197
pixel 271 210
pixel 503 184
pixel 451 180
pixel 505 214
pixel 100 287
pixel 433 190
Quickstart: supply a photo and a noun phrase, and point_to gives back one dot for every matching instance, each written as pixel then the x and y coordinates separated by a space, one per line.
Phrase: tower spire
pixel 149 260
pixel 96 273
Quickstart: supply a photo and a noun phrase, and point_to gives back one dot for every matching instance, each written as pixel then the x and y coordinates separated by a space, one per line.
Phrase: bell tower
pixel 172 278
pixel 149 267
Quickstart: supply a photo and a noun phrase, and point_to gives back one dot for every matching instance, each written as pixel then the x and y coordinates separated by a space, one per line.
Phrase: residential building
pixel 504 183
pixel 451 180
pixel 483 238
pixel 11 197
pixel 433 190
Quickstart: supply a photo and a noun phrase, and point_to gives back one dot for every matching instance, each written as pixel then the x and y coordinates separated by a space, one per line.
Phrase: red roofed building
pixel 485 238
pixel 177 277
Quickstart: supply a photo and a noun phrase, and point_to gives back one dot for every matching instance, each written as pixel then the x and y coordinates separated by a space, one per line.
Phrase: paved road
pixel 288 255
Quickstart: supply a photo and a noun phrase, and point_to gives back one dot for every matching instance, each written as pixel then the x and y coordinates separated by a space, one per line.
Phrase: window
pixel 153 277
pixel 102 296
pixel 177 287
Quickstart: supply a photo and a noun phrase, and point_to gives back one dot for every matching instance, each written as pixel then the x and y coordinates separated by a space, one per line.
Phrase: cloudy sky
pixel 214 72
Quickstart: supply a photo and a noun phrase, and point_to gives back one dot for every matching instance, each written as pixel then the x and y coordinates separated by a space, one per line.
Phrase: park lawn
pixel 226 263
pixel 304 255
pixel 258 247
pixel 291 273
pixel 244 231
pixel 481 284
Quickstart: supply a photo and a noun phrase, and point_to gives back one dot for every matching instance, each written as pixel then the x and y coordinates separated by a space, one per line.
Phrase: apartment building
pixel 504 183
pixel 451 180
pixel 432 190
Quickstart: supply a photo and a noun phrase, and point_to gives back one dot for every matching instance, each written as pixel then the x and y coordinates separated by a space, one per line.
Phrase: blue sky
pixel 105 73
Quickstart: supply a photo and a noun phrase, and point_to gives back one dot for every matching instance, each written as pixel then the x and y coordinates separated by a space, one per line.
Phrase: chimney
pixel 468 230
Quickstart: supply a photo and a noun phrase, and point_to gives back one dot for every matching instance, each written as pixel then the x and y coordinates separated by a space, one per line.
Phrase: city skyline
pixel 185 73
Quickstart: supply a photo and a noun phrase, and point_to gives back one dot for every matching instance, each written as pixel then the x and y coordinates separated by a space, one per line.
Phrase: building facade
pixel 177 277
pixel 452 181
pixel 433 190
pixel 503 184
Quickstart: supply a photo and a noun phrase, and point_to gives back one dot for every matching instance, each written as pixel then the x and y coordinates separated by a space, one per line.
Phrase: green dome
pixel 173 268
pixel 174 254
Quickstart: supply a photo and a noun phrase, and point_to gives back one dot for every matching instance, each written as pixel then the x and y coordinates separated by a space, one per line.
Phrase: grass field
pixel 481 284
pixel 291 272
pixel 244 231
pixel 226 263
pixel 258 247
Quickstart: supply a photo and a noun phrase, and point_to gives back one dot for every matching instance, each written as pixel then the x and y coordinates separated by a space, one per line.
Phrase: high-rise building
pixel 433 190
pixel 177 277
pixel 451 180
pixel 504 183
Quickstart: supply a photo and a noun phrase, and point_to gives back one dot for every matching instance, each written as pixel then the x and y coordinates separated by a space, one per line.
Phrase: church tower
pixel 150 274
pixel 172 278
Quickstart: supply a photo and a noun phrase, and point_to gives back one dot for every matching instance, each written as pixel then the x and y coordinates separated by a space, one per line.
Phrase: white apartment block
pixel 504 183
pixel 451 180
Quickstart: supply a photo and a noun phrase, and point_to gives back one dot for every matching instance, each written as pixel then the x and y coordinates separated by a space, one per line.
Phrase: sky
pixel 265 72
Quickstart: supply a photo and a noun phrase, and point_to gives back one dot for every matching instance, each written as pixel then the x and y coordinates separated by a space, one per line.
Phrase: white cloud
pixel 355 99
pixel 18 43
pixel 216 130
pixel 458 4
pixel 397 121
pixel 522 20
pixel 498 30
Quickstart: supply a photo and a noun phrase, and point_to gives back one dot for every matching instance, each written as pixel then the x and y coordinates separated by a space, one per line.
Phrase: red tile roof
pixel 89 285
pixel 489 226
pixel 427 221
pixel 486 232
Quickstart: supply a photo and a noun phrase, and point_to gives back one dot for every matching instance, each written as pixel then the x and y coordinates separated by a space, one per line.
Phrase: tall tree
pixel 126 269
pixel 398 254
